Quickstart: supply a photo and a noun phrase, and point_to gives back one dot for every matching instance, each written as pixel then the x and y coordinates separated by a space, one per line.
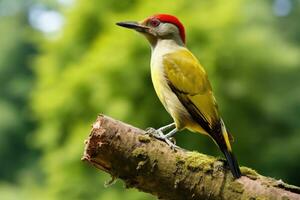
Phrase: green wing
pixel 189 82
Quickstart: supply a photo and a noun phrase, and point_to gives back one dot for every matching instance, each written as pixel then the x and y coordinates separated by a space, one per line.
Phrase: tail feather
pixel 233 164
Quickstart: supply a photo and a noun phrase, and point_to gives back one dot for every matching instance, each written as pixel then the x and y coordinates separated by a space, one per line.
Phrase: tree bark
pixel 149 165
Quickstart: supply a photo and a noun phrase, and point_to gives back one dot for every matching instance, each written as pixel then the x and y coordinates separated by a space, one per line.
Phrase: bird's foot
pixel 157 133
pixel 172 143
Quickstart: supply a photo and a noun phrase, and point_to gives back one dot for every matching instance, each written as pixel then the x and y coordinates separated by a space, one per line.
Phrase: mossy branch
pixel 151 166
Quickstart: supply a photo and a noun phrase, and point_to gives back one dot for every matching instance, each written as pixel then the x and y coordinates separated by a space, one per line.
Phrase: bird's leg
pixel 170 134
pixel 167 127
pixel 167 137
pixel 164 128
pixel 159 133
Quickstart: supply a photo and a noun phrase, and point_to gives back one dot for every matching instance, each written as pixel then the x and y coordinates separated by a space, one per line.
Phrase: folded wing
pixel 189 82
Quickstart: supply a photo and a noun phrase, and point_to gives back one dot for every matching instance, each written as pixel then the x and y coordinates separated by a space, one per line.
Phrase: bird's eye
pixel 154 22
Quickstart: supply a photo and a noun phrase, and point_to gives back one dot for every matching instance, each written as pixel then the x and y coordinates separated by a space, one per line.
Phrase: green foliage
pixel 15 84
pixel 96 67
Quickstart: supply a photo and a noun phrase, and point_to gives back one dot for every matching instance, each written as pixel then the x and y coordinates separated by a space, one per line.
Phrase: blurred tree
pixel 16 76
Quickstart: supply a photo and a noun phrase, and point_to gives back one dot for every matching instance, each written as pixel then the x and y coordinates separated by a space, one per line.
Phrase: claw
pixel 170 141
pixel 158 133
pixel 155 133
pixel 150 130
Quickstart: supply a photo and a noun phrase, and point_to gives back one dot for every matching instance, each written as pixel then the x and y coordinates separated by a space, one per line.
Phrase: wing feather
pixel 189 82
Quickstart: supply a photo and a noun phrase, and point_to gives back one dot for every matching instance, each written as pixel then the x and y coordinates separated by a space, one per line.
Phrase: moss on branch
pixel 151 166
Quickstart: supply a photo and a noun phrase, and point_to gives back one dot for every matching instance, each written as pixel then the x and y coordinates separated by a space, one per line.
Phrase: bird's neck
pixel 162 48
pixel 166 46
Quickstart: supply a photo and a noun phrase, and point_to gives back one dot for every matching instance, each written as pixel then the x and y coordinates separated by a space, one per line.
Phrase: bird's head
pixel 158 27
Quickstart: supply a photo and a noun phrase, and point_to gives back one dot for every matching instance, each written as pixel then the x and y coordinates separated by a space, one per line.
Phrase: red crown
pixel 173 20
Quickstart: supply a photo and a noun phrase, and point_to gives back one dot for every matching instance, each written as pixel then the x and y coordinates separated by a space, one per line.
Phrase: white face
pixel 165 30
pixel 161 30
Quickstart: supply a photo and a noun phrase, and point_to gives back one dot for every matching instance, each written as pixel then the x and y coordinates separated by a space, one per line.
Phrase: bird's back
pixel 188 80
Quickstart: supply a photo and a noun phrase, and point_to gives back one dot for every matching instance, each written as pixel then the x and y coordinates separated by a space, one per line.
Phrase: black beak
pixel 134 25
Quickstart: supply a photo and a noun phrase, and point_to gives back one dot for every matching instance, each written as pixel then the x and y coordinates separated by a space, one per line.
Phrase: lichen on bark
pixel 151 166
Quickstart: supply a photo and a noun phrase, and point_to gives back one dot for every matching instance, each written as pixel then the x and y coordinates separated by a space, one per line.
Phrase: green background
pixel 54 84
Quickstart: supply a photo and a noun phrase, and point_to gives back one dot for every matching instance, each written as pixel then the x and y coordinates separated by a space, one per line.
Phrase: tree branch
pixel 151 166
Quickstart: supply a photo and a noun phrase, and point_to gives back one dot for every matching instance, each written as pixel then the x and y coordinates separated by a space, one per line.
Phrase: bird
pixel 182 84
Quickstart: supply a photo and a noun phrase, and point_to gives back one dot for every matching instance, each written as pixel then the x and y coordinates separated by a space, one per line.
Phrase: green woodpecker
pixel 182 85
